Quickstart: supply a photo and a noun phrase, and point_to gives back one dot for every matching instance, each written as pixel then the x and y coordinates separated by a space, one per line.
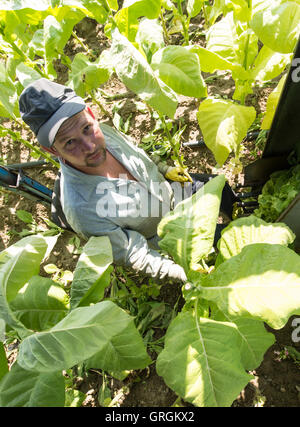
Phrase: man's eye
pixel 87 128
pixel 69 144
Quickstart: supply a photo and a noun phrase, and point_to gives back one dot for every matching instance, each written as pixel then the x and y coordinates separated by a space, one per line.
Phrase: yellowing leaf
pixel 272 104
pixel 224 124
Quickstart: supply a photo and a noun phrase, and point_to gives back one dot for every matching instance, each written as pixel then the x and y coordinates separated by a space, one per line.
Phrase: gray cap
pixel 45 105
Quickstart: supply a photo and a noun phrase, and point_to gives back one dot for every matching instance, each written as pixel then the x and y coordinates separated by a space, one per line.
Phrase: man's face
pixel 81 142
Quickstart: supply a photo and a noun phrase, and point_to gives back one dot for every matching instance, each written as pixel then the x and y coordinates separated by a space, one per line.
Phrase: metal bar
pixel 247 204
pixel 35 185
pixel 26 194
pixel 248 194
pixel 7 177
pixel 13 181
pixel 199 143
pixel 37 192
pixel 17 166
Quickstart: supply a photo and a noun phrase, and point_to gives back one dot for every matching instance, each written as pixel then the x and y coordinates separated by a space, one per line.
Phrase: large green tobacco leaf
pixel 94 9
pixel 224 124
pixel 180 69
pixel 3 361
pixel 261 282
pixel 113 4
pixel 255 340
pixel 226 39
pixel 57 33
pixel 238 45
pixel 127 17
pixel 55 36
pixel 79 336
pixel 18 263
pixel 241 10
pixel 149 8
pixel 8 95
pixel 92 273
pixel 248 230
pixel 201 361
pixel 32 389
pixel 86 76
pixel 21 261
pixel 25 4
pixel 22 18
pixel 35 11
pixel 14 26
pixel 272 103
pixel 222 38
pixel 278 26
pixel 124 352
pixel 40 304
pixel 135 72
pixel 26 75
pixel 269 64
pixel 194 7
pixel 150 36
pixel 212 61
pixel 8 317
pixel 187 232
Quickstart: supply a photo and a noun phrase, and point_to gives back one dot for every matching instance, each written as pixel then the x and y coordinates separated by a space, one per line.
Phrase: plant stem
pixel 16 136
pixel 110 13
pixel 169 136
pixel 106 6
pixel 80 42
pixel 95 100
pixel 205 16
pixel 117 96
pixel 245 62
pixel 166 128
pixel 87 50
pixel 27 59
pixel 183 23
pixel 243 99
pixel 164 27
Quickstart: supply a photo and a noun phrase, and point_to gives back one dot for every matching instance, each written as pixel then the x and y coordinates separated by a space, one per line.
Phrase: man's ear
pixel 50 150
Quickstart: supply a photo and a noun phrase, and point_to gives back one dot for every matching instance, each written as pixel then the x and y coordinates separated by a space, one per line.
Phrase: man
pixel 108 185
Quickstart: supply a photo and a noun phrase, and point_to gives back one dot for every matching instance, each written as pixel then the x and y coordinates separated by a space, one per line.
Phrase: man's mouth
pixel 95 156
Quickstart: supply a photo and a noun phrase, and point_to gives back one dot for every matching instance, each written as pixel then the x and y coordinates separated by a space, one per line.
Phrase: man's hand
pixel 179 174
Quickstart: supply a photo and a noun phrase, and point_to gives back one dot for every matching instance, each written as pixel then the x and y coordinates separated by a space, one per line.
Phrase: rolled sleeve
pixel 130 249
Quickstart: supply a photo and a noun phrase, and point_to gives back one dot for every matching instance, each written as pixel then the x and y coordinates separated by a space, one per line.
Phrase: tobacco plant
pixel 57 330
pixel 210 346
pixel 219 336
pixel 243 44
pixel 143 58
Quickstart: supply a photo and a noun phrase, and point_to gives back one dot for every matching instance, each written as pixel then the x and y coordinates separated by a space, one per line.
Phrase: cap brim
pixel 47 132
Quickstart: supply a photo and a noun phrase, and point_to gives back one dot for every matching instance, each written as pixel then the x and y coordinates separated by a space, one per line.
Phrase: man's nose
pixel 87 144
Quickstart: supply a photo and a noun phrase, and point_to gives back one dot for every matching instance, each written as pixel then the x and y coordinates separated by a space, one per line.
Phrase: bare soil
pixel 277 379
